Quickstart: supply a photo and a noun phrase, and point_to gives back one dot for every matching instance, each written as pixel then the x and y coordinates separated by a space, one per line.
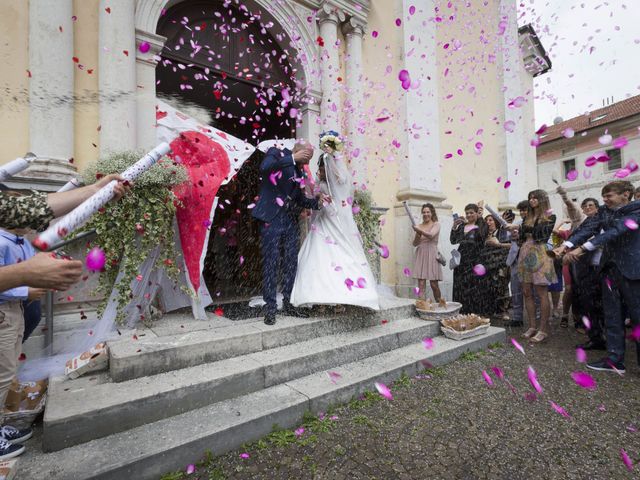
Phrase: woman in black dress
pixel 469 284
pixel 494 259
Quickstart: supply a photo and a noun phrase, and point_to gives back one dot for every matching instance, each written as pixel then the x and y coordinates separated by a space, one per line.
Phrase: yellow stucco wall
pixel 14 79
pixel 471 99
pixel 87 112
pixel 382 99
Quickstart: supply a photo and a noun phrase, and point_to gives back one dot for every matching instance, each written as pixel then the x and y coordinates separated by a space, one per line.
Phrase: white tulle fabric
pixel 332 255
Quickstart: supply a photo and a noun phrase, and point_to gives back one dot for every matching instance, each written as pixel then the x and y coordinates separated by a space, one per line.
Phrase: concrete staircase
pixel 183 387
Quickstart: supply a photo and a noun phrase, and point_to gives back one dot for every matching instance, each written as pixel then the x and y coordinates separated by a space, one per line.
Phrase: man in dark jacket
pixel 618 221
pixel 281 201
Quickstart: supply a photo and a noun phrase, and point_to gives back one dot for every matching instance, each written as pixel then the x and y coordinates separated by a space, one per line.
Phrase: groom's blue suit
pixel 279 228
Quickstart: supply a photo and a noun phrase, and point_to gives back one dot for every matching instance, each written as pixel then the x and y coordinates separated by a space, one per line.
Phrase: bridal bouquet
pixel 331 139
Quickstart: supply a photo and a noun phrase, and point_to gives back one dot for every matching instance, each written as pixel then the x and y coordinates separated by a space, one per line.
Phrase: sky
pixel 594 47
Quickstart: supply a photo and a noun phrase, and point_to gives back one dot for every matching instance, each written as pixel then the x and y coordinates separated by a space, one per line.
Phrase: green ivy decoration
pixel 128 230
pixel 368 222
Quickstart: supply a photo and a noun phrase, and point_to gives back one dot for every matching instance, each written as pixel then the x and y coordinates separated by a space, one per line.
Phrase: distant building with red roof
pixel 566 148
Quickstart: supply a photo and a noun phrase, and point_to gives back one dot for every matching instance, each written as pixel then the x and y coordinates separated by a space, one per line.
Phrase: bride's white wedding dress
pixel 332 266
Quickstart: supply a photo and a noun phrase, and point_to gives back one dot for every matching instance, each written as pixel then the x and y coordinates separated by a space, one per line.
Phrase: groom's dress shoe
pixel 270 319
pixel 291 311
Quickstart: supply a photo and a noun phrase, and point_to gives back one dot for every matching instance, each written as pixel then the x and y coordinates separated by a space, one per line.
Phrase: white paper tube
pixel 16 166
pixel 81 214
pixel 495 215
pixel 70 185
pixel 406 207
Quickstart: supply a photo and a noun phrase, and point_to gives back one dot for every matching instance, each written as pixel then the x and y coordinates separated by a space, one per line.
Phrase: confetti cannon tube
pixel 496 215
pixel 16 166
pixel 70 185
pixel 81 214
pixel 405 204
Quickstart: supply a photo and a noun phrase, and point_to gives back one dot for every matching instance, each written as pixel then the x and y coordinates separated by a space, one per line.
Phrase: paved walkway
pixel 449 424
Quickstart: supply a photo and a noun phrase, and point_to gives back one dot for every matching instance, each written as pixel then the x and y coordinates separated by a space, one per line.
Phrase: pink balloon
pixel 96 259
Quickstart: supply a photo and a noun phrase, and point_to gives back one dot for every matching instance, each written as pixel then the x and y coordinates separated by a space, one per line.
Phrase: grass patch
pixel 470 356
pixel 281 438
pixel 366 400
pixel 496 345
pixel 365 421
pixel 435 372
pixel 339 450
pixel 313 422
pixel 403 382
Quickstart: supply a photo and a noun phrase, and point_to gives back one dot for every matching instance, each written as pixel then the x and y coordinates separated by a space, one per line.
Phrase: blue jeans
pixel 623 293
pixel 517 298
pixel 279 238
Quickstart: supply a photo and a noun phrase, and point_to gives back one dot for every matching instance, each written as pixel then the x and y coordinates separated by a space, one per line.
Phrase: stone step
pixel 179 342
pixel 93 407
pixel 149 451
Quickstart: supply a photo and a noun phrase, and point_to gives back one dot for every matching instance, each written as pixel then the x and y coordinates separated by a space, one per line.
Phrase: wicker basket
pixel 440 313
pixel 480 328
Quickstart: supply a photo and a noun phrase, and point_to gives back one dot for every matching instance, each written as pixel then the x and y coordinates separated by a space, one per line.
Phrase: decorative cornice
pixel 329 12
pixel 419 194
pixel 156 42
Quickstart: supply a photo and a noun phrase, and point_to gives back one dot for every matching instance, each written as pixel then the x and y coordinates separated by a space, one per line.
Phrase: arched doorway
pixel 220 58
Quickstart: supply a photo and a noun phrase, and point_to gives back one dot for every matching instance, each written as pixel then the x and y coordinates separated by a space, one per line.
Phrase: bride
pixel 332 267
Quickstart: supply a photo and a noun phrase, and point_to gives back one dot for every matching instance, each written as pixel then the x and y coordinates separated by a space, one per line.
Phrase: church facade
pixel 434 98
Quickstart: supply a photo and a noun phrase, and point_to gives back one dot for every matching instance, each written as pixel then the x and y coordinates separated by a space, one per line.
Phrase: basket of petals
pixel 460 327
pixel 436 311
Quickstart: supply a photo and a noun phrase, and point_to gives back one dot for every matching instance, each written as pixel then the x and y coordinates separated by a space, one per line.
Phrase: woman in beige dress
pixel 426 243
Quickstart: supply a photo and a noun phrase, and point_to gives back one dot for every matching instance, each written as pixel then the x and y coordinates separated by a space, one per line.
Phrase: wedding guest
pixel 494 257
pixel 41 271
pixel 517 302
pixel 637 194
pixel 535 267
pixel 469 288
pixel 426 267
pixel 620 239
pixel 556 289
pixel 586 288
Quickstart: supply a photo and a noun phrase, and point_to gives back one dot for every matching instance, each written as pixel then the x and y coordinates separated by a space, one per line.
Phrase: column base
pixel 405 255
pixel 44 174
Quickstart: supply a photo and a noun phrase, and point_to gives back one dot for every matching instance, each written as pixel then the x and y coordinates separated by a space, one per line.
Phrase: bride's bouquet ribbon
pixel 81 214
pixel 16 166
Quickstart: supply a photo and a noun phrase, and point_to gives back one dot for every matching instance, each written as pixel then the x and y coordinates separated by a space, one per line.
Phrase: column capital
pixel 353 26
pixel 156 43
pixel 330 13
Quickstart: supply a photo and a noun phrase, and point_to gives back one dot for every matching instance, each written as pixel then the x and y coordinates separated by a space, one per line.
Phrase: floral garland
pixel 131 228
pixel 331 139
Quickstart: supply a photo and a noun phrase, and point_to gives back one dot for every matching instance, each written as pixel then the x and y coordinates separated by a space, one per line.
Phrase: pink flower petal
pixel 416 291
pixel 542 129
pixel 244 455
pixel 590 161
pixel 586 322
pixel 568 133
pixel 407 272
pixel 383 250
pixel 299 431
pixel 533 379
pixel 581 355
pixel 498 372
pixel 631 224
pixel 361 283
pixel 427 343
pixel 334 376
pixel 620 142
pixel 510 126
pixel 507 184
pixel 349 283
pixel 605 139
pixel 279 201
pixel 518 346
pixel 635 334
pixel 383 390
pixel 602 408
pixel 191 468
pixel 584 380
pixel 572 175
pixel 559 409
pixel 479 270
pixel 96 258
pixel 487 378
pixel 626 460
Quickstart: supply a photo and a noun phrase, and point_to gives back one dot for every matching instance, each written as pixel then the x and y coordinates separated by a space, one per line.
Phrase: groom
pixel 281 200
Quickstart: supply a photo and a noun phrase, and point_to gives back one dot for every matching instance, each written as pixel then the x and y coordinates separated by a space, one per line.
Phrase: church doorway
pixel 220 60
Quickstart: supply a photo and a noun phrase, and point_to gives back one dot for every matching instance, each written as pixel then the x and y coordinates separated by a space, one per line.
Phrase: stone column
pixel 51 94
pixel 420 180
pixel 353 31
pixel 329 17
pixel 146 61
pixel 520 161
pixel 117 75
